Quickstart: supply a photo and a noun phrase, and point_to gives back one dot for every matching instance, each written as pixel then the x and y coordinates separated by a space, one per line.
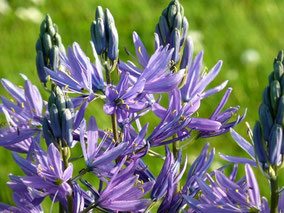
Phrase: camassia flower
pixel 226 195
pixel 121 97
pixel 45 171
pixel 99 157
pixel 157 71
pixel 81 76
pixel 123 191
pixel 23 115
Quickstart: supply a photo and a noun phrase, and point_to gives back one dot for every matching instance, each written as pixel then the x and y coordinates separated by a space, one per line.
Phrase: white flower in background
pixel 37 2
pixel 31 13
pixel 4 7
pixel 197 38
pixel 250 56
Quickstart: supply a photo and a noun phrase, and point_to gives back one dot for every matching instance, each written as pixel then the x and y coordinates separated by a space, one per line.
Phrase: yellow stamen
pixel 13 110
pixel 139 50
pixel 66 87
pixel 142 189
pixel 23 105
pixel 116 91
pixel 12 100
pixel 127 106
pixel 21 86
pixel 48 77
pixel 220 207
pixel 51 168
pixel 30 121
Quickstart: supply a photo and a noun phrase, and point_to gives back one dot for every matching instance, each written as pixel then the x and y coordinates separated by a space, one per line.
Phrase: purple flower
pixel 45 171
pixel 224 117
pixel 123 191
pixel 225 195
pixel 169 175
pixel 123 97
pixel 197 80
pixel 99 157
pixel 23 115
pixel 157 72
pixel 81 77
pixel 173 201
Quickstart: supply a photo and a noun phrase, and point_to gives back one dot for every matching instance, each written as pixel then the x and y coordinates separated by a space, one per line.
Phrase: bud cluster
pixel 172 27
pixel 268 132
pixel 48 46
pixel 59 126
pixel 104 34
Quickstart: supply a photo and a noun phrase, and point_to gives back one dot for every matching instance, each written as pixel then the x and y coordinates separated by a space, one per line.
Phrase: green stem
pixel 113 116
pixel 274 194
pixel 65 156
pixel 175 152
pixel 81 173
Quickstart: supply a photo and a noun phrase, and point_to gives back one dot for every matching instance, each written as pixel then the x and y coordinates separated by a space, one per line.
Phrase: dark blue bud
pixel 282 85
pixel 173 9
pixel 187 54
pixel 175 42
pixel 47 43
pixel 60 100
pixel 47 132
pixel 164 29
pixel 279 119
pixel 43 28
pixel 51 99
pixel 278 70
pixel 54 57
pixel 112 42
pixel 280 56
pixel 271 77
pixel 177 22
pixel 67 127
pixel 55 121
pixel 275 93
pixel 70 106
pixel 275 142
pixel 266 120
pixel 184 29
pixel 99 36
pixel 40 67
pixel 266 97
pixel 100 13
pixel 39 45
pixel 259 143
pixel 108 18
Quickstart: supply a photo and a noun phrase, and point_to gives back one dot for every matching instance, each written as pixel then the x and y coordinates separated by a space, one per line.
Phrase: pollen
pixel 30 121
pixel 20 86
pixel 23 105
pixel 13 110
pixel 220 207
pixel 116 91
pixel 127 106
pixel 66 86
pixel 139 50
pixel 12 100
pixel 51 167
pixel 48 77
pixel 142 189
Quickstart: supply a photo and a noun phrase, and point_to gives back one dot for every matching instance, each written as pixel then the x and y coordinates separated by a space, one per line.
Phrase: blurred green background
pixel 245 34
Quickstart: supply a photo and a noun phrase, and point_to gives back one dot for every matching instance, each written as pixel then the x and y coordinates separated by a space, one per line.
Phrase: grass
pixel 223 29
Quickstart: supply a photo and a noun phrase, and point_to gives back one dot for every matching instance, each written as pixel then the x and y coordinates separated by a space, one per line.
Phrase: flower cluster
pixel 118 179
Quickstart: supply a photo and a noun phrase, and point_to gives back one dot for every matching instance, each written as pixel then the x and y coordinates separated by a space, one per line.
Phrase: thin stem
pixel 65 156
pixel 155 154
pixel 81 173
pixel 113 116
pixel 175 146
pixel 187 144
pixel 175 152
pixel 274 194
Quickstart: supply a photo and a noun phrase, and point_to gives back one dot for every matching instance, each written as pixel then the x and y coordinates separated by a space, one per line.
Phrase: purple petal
pixel 252 185
pixel 238 160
